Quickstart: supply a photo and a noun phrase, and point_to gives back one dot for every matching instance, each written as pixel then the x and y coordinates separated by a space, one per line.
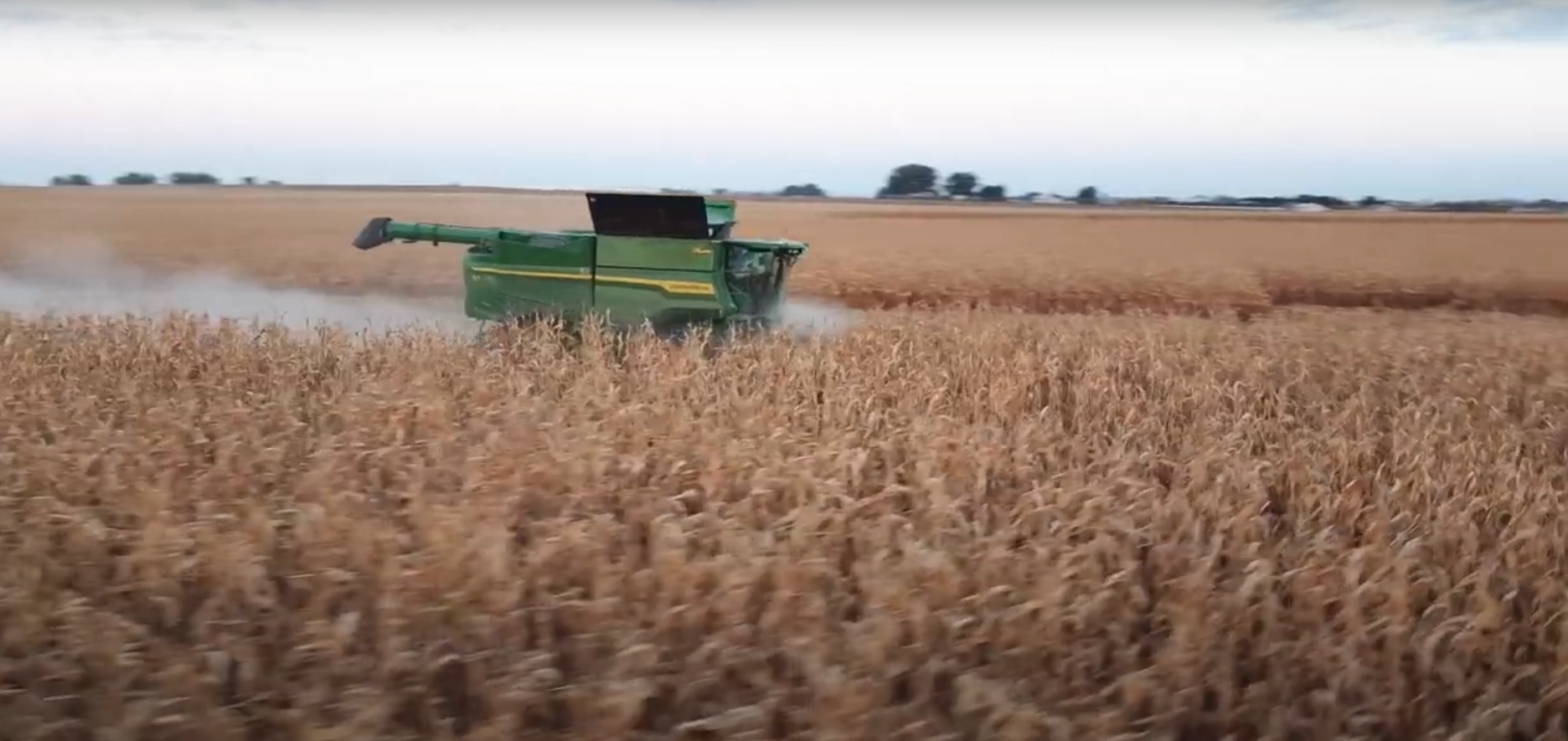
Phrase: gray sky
pixel 1428 98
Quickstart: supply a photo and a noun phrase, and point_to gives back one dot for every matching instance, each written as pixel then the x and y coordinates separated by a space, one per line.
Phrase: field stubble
pixel 962 527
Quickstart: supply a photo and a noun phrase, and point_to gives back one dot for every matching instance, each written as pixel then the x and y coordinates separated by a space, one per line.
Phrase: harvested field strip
pixel 940 211
pixel 1269 290
pixel 1042 261
pixel 1524 300
pixel 1009 527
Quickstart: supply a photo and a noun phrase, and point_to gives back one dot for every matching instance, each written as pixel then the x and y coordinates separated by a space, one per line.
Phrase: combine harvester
pixel 664 260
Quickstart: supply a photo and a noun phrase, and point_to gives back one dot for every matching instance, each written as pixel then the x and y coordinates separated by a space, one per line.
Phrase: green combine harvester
pixel 664 260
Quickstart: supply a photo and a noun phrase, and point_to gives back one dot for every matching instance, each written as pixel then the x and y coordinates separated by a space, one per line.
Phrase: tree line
pixel 915 180
pixel 923 181
pixel 147 178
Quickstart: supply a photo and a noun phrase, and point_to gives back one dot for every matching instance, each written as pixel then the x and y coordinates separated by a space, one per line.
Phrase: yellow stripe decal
pixel 670 286
pixel 534 274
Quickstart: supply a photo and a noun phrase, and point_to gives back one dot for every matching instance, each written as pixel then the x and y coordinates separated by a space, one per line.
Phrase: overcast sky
pixel 1439 99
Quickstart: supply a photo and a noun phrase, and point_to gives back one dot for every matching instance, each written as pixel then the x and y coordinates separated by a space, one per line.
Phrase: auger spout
pixel 383 229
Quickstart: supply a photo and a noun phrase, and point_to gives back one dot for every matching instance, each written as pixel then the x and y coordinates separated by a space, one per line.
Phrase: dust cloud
pixel 809 317
pixel 89 280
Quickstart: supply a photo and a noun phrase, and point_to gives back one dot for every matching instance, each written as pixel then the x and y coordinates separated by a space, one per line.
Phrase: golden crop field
pixel 1032 259
pixel 958 523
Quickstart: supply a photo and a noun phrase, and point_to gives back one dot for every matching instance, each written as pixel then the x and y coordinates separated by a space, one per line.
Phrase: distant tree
pixel 993 193
pixel 1088 195
pixel 192 178
pixel 720 191
pixel 1370 202
pixel 274 182
pixel 136 178
pixel 1469 206
pixel 807 190
pixel 1324 201
pixel 962 184
pixel 248 180
pixel 908 180
pixel 73 180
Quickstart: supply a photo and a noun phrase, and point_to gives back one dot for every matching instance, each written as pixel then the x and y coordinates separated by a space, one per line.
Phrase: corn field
pixel 957 526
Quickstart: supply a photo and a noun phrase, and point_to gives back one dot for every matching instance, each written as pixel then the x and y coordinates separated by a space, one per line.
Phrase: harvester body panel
pixel 662 259
pixel 530 273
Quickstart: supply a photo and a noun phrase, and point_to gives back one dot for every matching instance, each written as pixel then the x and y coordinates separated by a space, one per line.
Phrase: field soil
pixel 1281 520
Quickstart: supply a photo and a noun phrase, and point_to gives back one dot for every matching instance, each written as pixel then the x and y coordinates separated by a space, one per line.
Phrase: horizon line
pixel 933 197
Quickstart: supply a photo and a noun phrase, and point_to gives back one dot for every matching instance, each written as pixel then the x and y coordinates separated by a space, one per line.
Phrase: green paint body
pixel 663 259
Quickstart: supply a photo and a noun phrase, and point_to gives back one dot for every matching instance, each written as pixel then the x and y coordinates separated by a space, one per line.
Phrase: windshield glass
pixel 751 276
pixel 749 262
